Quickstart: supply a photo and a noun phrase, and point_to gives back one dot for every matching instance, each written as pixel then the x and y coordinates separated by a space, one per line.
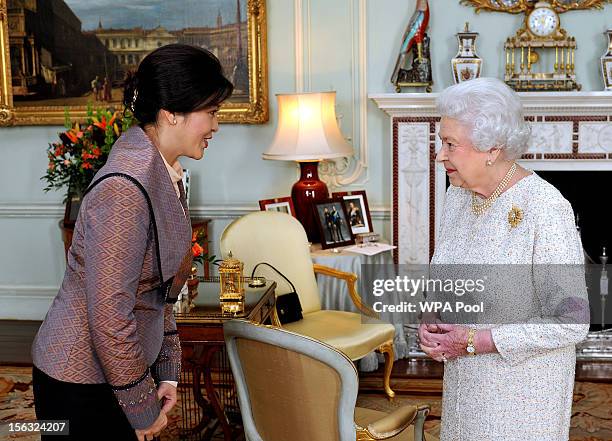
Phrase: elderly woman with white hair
pixel 509 380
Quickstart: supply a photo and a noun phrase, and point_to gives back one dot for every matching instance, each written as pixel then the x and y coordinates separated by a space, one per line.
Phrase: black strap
pixel 274 268
pixel 146 195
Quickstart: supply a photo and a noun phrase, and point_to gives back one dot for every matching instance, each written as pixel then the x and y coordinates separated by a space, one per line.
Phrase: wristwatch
pixel 471 349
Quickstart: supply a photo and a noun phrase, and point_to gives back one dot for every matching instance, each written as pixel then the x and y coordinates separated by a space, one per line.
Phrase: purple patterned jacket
pixel 109 323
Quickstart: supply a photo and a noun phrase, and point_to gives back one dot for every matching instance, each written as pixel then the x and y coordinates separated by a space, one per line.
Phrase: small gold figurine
pixel 515 216
pixel 232 291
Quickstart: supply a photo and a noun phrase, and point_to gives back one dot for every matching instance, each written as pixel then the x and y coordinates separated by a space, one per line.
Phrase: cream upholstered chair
pixel 293 387
pixel 279 239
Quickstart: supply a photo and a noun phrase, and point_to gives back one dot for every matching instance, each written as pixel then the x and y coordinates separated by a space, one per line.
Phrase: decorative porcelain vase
pixel 606 63
pixel 467 64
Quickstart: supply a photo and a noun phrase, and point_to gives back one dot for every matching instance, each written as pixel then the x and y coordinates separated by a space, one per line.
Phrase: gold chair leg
pixel 387 350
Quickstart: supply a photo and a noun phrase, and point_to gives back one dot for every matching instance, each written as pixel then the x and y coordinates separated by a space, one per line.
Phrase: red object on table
pixel 305 194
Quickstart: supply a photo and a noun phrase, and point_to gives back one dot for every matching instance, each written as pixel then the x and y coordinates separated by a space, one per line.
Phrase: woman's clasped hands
pixel 442 341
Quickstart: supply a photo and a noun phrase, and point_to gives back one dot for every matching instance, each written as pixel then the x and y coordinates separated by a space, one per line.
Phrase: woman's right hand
pixel 153 430
pixel 424 330
pixel 429 324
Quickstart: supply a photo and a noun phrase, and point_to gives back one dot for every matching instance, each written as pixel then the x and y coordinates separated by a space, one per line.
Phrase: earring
pixel 174 121
pixel 489 163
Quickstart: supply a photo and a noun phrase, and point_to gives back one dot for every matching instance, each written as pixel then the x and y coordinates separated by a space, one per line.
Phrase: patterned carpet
pixel 591 412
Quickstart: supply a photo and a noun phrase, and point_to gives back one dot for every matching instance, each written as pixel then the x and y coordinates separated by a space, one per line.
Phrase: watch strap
pixel 471 349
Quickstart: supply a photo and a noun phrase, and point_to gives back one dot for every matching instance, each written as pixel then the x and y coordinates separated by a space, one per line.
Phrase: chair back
pixel 280 240
pixel 291 387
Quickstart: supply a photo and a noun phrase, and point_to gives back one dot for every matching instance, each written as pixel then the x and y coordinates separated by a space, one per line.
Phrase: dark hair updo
pixel 178 78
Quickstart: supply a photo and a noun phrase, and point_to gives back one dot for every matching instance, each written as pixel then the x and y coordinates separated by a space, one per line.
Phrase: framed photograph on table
pixel 357 209
pixel 332 220
pixel 60 57
pixel 283 205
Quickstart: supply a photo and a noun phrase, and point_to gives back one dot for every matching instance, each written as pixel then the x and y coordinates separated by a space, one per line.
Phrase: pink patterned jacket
pixel 110 323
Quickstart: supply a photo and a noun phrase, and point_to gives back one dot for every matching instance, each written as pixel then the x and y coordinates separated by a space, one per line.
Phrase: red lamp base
pixel 305 193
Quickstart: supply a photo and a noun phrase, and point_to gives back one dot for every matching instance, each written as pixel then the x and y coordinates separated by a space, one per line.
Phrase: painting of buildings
pixel 74 52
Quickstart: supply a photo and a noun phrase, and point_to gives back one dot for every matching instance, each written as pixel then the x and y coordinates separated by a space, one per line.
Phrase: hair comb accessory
pixel 134 98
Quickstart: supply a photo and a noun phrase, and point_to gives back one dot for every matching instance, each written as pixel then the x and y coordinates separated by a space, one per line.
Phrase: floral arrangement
pixel 198 239
pixel 83 150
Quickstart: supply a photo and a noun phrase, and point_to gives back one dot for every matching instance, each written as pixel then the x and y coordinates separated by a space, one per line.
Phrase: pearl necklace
pixel 480 207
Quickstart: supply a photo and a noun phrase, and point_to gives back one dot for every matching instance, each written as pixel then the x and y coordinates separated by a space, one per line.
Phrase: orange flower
pixel 71 136
pixel 96 152
pixel 197 250
pixel 86 165
pixel 194 236
pixel 59 150
pixel 51 166
pixel 102 124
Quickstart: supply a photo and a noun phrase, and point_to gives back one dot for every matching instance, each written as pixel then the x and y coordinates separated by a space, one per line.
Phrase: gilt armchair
pixel 293 387
pixel 279 239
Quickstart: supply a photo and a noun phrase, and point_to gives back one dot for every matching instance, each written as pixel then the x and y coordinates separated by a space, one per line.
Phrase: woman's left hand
pixel 167 393
pixel 451 342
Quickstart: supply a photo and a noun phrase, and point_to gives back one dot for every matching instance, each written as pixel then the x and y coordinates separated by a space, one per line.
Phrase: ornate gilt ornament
pixel 231 279
pixel 519 6
pixel 540 56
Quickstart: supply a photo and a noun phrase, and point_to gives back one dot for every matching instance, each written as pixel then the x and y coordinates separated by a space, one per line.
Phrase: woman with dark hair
pixel 107 357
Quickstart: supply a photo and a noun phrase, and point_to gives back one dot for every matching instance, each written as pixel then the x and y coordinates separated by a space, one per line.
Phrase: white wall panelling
pixel 345 171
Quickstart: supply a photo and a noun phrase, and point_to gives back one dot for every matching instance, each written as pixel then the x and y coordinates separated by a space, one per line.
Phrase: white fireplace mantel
pixel 569 131
pixel 557 103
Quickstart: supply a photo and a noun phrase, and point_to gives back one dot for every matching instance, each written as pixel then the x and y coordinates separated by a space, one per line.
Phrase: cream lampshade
pixel 308 132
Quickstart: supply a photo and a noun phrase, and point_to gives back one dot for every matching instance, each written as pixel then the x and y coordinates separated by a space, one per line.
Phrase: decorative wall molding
pixel 570 131
pixel 46 210
pixel 32 210
pixel 346 171
pixel 21 302
pixel 299 46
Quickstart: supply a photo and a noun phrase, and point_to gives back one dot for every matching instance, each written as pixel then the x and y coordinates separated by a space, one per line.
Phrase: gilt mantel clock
pixel 541 54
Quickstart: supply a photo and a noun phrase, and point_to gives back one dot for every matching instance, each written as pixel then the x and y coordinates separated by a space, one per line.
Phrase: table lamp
pixel 307 133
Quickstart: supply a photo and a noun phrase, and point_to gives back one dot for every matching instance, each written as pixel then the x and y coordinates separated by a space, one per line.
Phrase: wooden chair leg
pixel 387 350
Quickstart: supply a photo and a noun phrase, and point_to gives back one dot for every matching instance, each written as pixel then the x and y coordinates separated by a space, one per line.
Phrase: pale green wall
pixel 232 177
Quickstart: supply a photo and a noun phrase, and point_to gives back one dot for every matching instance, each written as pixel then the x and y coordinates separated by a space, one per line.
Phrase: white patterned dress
pixel 524 392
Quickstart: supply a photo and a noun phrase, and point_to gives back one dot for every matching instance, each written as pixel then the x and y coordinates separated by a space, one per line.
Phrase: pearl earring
pixel 174 121
pixel 489 163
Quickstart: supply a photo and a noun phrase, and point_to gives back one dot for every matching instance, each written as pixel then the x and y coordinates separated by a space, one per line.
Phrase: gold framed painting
pixel 59 56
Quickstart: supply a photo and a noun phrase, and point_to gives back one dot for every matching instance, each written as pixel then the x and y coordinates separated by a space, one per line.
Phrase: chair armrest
pixel 397 421
pixel 350 279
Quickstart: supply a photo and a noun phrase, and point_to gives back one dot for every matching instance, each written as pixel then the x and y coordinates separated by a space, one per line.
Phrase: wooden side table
pixel 206 377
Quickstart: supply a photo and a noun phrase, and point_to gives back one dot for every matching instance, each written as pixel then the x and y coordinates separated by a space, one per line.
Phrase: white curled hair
pixel 492 111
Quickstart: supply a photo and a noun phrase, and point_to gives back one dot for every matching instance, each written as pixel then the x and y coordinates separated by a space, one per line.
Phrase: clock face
pixel 543 22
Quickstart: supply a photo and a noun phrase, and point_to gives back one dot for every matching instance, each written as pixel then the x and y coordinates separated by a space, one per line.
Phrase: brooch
pixel 515 216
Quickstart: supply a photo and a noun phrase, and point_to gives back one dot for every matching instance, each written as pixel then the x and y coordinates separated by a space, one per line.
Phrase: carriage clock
pixel 231 290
